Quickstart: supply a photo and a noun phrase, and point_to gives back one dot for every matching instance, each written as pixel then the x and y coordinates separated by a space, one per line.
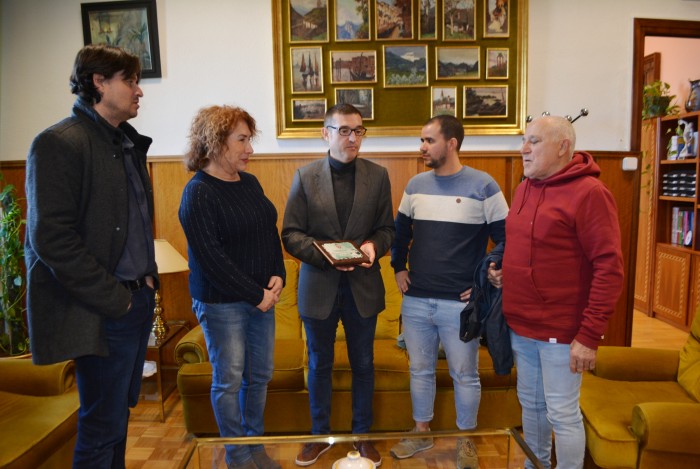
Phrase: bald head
pixel 548 146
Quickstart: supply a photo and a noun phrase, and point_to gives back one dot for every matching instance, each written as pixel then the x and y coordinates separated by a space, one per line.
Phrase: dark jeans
pixel 320 337
pixel 109 385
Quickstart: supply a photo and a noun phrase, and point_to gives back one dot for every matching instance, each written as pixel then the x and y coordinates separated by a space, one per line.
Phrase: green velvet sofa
pixel 287 409
pixel 38 414
pixel 641 407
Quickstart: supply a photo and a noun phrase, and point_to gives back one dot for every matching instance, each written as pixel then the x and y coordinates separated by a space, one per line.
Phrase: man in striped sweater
pixel 449 214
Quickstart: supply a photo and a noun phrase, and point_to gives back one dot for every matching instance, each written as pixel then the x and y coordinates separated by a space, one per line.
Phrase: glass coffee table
pixel 498 448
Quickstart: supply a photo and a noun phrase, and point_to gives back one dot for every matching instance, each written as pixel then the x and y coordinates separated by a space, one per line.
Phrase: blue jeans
pixel 426 323
pixel 549 395
pixel 240 340
pixel 109 385
pixel 320 337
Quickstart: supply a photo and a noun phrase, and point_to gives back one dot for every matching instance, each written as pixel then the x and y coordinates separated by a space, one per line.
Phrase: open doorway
pixel 654 29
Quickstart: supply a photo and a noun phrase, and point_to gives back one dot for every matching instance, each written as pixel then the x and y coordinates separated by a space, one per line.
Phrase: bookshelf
pixel 675 272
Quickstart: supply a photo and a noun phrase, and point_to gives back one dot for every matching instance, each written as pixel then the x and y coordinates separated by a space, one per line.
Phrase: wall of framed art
pixel 401 62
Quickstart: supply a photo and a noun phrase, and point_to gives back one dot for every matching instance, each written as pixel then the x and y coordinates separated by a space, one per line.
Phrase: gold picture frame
pixel 397 111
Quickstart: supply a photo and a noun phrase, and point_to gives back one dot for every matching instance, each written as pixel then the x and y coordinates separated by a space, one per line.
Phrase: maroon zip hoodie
pixel 562 267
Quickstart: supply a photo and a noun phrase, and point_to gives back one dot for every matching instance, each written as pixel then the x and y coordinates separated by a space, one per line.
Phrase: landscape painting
pixel 353 66
pixel 394 19
pixel 308 109
pixel 427 24
pixel 485 101
pixel 308 20
pixel 459 20
pixel 307 69
pixel 352 20
pixel 496 18
pixel 497 63
pixel 405 66
pixel 361 98
pixel 457 63
pixel 444 101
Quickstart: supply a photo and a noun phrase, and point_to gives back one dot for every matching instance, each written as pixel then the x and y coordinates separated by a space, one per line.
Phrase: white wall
pixel 680 63
pixel 220 51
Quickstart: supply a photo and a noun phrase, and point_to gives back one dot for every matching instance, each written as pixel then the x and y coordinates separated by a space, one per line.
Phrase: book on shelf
pixel 682 222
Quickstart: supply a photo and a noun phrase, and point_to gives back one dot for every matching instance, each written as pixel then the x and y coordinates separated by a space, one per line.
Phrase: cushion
pixel 689 366
pixel 287 320
pixel 288 374
pixel 607 409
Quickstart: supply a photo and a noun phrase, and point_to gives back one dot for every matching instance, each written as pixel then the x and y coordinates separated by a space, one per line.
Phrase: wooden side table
pixel 159 386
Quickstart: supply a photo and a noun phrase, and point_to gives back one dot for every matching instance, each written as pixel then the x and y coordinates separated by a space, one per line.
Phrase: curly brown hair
pixel 209 131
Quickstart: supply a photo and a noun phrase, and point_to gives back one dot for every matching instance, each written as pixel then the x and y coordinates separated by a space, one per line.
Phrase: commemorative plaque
pixel 341 253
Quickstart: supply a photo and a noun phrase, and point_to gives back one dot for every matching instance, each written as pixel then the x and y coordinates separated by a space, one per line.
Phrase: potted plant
pixel 14 338
pixel 657 100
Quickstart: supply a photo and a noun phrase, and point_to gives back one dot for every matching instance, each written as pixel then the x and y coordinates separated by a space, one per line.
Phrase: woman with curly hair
pixel 236 273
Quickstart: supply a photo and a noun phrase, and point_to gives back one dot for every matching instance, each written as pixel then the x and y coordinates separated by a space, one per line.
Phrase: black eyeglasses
pixel 345 131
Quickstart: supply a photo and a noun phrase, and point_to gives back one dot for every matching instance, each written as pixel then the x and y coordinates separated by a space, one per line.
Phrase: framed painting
pixel 306 69
pixel 497 63
pixel 457 63
pixel 443 101
pixel 485 101
pixel 427 20
pixel 437 56
pixel 361 98
pixel 131 25
pixel 308 109
pixel 458 20
pixel 394 19
pixel 405 66
pixel 352 20
pixel 496 18
pixel 353 66
pixel 308 20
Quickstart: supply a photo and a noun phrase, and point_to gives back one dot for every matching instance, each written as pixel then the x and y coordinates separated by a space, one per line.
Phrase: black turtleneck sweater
pixel 343 175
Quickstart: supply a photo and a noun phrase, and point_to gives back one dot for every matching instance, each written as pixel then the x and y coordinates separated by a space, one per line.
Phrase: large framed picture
pixel 131 25
pixel 401 62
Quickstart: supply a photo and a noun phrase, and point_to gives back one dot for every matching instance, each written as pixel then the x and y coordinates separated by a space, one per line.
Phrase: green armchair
pixel 38 414
pixel 641 407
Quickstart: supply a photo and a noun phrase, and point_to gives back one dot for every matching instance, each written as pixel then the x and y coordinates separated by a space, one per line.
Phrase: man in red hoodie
pixel 562 275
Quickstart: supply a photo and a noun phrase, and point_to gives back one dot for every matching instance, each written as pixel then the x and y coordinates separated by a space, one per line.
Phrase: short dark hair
pixel 450 127
pixel 209 131
pixel 104 60
pixel 343 108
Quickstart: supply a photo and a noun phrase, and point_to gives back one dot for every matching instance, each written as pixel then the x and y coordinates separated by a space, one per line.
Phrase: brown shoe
pixel 367 450
pixel 310 452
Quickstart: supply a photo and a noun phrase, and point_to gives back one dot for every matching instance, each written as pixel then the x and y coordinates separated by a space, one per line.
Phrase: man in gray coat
pixel 89 249
pixel 340 197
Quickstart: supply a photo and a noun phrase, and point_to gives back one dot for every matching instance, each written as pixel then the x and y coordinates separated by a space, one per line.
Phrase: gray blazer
pixel 311 215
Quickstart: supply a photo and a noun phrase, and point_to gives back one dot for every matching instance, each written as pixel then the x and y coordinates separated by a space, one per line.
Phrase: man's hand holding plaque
pixel 343 255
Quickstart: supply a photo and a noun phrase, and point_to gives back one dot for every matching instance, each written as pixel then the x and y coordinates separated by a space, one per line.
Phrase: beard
pixel 436 162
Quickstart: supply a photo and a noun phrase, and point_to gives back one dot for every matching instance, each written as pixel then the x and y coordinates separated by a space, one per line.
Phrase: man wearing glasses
pixel 340 197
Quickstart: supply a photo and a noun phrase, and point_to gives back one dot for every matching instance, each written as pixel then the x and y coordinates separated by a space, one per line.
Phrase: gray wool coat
pixel 77 216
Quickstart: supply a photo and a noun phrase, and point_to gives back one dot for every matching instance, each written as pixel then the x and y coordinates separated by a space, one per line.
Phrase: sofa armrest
pixel 21 376
pixel 636 364
pixel 667 426
pixel 192 348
